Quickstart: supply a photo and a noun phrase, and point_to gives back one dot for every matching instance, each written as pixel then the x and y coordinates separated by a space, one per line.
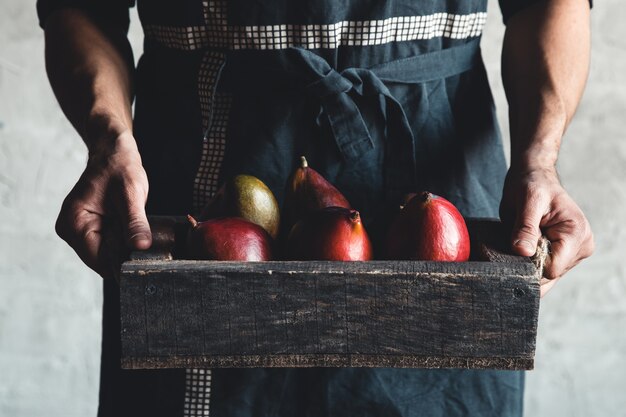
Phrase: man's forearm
pixel 90 69
pixel 545 62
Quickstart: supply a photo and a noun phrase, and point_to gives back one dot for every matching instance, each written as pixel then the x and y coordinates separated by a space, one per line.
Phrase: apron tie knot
pixel 339 94
pixel 333 91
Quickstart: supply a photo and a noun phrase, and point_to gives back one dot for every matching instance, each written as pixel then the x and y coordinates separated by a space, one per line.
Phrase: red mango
pixel 330 234
pixel 431 228
pixel 228 239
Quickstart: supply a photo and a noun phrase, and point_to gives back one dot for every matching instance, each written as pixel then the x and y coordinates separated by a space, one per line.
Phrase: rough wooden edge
pixel 381 269
pixel 541 256
pixel 327 360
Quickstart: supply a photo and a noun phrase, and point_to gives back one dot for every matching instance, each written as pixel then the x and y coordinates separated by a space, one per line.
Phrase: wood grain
pixel 478 314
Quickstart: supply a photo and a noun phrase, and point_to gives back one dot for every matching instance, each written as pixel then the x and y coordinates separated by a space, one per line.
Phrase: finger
pixel 112 251
pixel 546 285
pixel 589 244
pixel 526 232
pixel 135 223
pixel 567 239
pixel 81 230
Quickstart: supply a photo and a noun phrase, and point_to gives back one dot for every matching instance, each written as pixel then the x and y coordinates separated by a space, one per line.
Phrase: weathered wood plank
pixel 330 318
pixel 381 269
pixel 268 301
pixel 187 303
pixel 160 318
pixel 242 313
pixel 381 313
pixel 133 313
pixel 421 315
pixel 326 360
pixel 215 314
pixel 299 305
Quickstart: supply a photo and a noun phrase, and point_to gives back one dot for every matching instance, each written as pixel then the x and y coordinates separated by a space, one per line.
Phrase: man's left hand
pixel 535 203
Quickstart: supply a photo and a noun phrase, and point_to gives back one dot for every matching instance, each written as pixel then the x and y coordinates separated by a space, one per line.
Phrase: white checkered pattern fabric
pixel 213 148
pixel 218 34
pixel 197 393
pixel 214 109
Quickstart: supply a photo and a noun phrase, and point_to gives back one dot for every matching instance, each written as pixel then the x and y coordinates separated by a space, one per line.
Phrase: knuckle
pixel 592 244
pixel 87 235
pixel 588 233
pixel 527 229
pixel 60 227
pixel 589 246
pixel 581 232
pixel 555 267
pixel 580 225
pixel 135 191
pixel 552 272
pixel 67 221
pixel 135 221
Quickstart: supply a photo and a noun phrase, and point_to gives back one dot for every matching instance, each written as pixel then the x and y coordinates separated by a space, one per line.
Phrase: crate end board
pixel 328 361
pixel 377 314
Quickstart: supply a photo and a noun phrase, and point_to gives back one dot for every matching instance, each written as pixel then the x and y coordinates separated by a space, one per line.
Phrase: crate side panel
pixel 332 327
pixel 134 335
pixel 440 316
pixel 458 302
pixel 242 313
pixel 403 312
pixel 522 314
pixel 424 300
pixel 188 309
pixel 300 314
pixel 215 317
pixel 377 314
pixel 270 317
pixel 160 314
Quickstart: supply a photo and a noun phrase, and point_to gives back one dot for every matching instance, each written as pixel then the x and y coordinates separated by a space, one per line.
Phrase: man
pixel 385 96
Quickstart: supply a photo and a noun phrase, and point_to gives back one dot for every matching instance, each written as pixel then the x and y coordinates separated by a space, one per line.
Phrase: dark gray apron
pixel 377 120
pixel 378 123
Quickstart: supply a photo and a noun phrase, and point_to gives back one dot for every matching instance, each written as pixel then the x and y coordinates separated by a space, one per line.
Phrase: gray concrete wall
pixel 50 303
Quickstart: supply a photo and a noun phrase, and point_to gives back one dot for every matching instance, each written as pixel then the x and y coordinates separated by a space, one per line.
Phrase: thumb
pixel 135 223
pixel 526 232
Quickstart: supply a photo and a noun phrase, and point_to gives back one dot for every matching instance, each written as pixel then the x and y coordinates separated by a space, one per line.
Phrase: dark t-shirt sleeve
pixel 110 12
pixel 510 7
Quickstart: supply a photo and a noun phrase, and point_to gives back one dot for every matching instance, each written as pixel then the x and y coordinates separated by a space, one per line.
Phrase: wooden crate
pixel 181 313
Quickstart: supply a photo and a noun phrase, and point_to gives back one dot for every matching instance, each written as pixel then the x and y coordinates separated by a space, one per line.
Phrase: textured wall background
pixel 50 303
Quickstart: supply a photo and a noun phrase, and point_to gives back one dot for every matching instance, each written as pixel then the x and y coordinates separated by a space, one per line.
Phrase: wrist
pixel 538 157
pixel 537 125
pixel 521 175
pixel 107 135
pixel 535 143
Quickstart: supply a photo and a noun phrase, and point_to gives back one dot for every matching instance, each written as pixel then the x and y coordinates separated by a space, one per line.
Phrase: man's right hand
pixel 107 201
pixel 90 66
